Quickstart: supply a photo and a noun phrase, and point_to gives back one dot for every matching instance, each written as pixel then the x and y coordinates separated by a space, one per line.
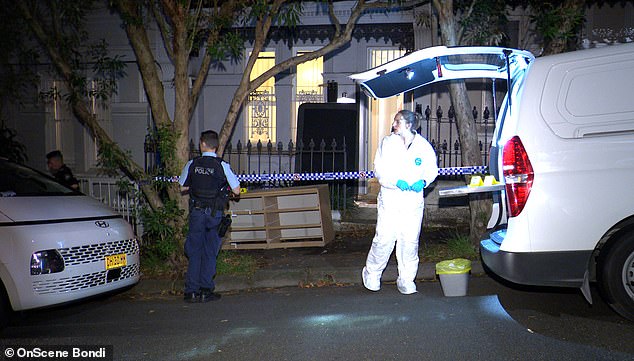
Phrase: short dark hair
pixel 210 138
pixel 54 154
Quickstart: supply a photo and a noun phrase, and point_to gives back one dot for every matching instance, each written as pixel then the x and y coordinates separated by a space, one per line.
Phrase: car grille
pixel 97 252
pixel 70 284
pixel 86 254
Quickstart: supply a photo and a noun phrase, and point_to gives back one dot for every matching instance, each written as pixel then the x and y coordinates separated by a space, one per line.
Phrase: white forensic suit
pixel 400 213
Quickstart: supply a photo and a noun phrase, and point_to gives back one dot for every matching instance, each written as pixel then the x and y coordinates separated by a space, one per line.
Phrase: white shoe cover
pixel 371 283
pixel 406 288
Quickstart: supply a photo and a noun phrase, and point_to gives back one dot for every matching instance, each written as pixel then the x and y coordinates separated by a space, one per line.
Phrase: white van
pixel 563 149
pixel 58 245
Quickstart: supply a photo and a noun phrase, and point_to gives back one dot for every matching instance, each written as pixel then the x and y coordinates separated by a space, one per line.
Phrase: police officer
pixel 59 170
pixel 208 180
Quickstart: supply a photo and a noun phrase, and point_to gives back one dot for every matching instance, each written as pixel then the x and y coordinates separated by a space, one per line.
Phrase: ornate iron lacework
pixel 309 96
pixel 260 104
pixel 401 34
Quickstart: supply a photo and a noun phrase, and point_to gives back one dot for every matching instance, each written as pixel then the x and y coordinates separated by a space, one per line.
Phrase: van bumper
pixel 560 269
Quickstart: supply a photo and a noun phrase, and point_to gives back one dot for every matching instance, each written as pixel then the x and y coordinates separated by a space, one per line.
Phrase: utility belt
pixel 196 204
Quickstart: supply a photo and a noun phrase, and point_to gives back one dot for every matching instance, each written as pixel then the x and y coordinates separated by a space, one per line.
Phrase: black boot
pixel 191 297
pixel 207 295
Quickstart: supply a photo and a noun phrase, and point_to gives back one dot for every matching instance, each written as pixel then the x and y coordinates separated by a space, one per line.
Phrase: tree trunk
pixel 479 205
pixel 182 103
pixel 178 51
pixel 83 114
pixel 467 131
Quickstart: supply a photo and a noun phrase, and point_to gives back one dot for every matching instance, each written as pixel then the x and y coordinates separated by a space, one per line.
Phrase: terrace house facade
pixel 273 111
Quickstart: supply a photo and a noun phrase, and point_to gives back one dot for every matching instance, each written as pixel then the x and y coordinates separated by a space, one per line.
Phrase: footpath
pixel 338 263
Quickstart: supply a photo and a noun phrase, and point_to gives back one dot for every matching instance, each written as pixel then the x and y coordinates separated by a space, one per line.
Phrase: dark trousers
pixel 201 248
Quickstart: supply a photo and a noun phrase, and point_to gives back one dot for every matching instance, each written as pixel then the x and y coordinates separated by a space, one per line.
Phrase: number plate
pixel 116 261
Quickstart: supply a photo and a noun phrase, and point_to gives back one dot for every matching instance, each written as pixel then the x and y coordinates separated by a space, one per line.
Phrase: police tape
pixel 265 177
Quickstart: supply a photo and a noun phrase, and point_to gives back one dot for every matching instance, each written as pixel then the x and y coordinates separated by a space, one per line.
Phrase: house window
pixel 261 120
pixel 308 86
pixel 379 57
pixel 60 125
pixel 63 130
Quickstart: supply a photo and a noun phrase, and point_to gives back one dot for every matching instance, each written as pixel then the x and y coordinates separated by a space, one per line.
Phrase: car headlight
pixel 45 262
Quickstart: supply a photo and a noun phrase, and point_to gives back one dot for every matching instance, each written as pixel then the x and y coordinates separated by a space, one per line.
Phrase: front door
pixel 381 113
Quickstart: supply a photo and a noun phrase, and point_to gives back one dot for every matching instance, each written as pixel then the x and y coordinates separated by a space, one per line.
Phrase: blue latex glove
pixel 418 186
pixel 402 185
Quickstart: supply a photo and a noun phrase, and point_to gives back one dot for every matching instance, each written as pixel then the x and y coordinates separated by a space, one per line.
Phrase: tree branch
pixel 333 17
pixel 193 28
pixel 460 31
pixel 147 66
pixel 201 75
pixel 247 86
pixel 163 29
pixel 78 103
pixel 335 43
pixel 55 21
pixel 260 38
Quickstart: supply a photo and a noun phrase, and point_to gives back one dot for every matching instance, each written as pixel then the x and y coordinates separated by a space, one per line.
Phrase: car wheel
pixel 616 275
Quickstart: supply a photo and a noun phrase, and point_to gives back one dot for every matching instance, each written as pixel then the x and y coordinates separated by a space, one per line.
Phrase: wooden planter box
pixel 281 218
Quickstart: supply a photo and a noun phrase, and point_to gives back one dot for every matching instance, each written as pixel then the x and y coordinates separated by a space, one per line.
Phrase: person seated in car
pixel 59 170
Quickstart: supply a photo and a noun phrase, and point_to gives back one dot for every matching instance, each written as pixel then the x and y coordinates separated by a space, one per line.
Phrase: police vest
pixel 207 183
pixel 65 176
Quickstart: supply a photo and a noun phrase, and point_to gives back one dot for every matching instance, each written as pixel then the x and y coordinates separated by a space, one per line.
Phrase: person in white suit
pixel 404 164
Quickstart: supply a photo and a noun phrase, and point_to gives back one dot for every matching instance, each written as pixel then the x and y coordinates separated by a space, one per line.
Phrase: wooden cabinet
pixel 281 218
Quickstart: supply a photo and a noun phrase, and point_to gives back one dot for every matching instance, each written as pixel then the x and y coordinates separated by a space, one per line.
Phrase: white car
pixel 58 245
pixel 563 214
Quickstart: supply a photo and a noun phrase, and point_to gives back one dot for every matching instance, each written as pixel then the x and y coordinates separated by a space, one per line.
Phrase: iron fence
pixel 291 158
pixel 330 155
pixel 442 132
pixel 315 156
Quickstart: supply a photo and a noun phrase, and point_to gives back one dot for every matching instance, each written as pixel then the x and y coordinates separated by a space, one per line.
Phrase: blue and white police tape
pixel 304 176
pixel 255 178
pixel 478 169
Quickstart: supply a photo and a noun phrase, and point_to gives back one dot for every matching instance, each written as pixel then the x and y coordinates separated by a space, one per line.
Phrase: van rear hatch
pixel 440 63
pixel 436 64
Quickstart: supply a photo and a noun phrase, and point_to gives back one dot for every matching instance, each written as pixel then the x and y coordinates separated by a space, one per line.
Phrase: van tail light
pixel 518 175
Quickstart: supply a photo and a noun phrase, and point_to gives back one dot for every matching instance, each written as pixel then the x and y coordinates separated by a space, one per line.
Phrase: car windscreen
pixel 17 180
